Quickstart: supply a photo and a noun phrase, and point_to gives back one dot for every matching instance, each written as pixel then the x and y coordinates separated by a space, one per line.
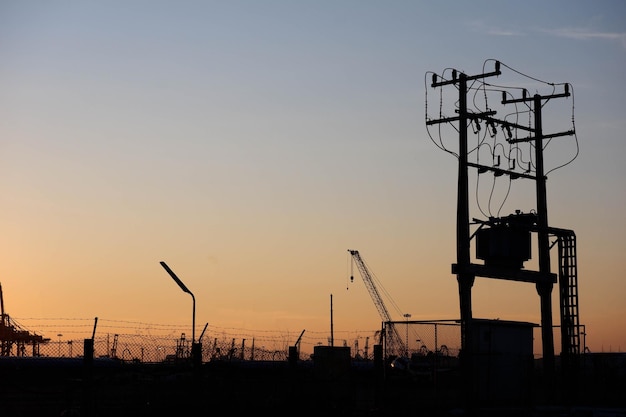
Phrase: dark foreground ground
pixel 52 387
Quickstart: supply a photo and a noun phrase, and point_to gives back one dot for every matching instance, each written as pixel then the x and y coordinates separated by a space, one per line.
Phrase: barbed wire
pixel 77 328
pixel 131 340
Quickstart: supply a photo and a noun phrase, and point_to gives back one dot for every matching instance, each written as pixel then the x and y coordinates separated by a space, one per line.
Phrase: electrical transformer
pixel 506 241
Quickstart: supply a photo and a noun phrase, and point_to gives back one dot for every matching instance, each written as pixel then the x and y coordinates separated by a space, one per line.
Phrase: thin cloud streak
pixel 504 32
pixel 583 34
pixel 480 26
pixel 571 33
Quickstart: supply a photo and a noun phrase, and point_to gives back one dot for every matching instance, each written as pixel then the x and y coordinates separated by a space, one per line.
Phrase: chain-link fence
pixel 422 338
pixel 409 338
pixel 145 349
pixel 148 343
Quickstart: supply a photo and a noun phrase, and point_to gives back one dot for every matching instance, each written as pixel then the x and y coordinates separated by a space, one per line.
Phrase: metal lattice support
pixel 568 287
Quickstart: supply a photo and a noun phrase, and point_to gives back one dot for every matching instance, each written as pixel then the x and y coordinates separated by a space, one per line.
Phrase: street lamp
pixel 407 316
pixel 185 289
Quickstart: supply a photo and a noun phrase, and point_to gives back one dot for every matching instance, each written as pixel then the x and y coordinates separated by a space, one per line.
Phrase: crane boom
pixel 394 339
pixel 369 283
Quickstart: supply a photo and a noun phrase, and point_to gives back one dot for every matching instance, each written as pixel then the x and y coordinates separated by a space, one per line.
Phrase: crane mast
pixel 394 340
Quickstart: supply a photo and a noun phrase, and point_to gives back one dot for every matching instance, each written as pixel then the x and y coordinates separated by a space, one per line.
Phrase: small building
pixel 503 361
pixel 331 362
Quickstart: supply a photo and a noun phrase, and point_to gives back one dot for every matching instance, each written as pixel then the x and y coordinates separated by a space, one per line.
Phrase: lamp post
pixel 407 316
pixel 185 289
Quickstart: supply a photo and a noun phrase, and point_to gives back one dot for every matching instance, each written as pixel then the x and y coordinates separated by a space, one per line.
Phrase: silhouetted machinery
pixel 11 334
pixel 506 241
pixel 504 244
pixel 395 344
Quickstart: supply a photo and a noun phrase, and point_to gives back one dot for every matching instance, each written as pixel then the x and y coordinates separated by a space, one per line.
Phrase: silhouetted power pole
pixel 465 277
pixel 511 231
pixel 545 279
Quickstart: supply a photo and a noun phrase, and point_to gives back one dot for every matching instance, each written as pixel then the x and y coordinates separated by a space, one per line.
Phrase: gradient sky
pixel 250 144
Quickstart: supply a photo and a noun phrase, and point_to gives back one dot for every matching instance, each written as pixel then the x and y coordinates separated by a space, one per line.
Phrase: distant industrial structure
pixel 394 344
pixel 13 338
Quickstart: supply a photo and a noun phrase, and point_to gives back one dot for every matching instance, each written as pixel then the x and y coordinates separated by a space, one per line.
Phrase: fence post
pixel 88 404
pixel 196 355
pixel 88 355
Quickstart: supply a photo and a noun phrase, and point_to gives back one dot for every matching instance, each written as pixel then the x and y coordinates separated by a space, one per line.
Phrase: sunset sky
pixel 250 144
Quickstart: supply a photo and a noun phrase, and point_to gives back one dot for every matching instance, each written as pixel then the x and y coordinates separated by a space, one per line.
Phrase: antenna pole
pixel 332 335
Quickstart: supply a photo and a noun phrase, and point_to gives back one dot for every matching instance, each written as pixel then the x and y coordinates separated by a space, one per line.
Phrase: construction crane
pixel 395 344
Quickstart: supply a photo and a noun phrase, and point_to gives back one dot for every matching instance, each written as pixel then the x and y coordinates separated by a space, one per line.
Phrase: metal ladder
pixel 568 291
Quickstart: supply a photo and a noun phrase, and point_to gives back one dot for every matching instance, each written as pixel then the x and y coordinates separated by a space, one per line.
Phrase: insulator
pixel 508 131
